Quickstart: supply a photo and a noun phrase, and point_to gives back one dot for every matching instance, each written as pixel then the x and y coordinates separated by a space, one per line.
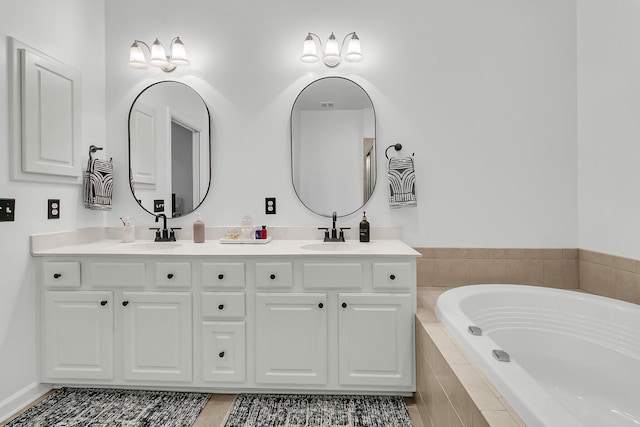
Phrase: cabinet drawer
pixel 223 351
pixel 392 275
pixel 116 274
pixel 332 275
pixel 173 274
pixel 61 274
pixel 274 275
pixel 224 275
pixel 223 305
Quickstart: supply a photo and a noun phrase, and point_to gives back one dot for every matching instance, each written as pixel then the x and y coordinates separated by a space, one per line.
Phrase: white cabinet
pixel 291 338
pixel 375 339
pixel 157 336
pixel 223 352
pixel 299 323
pixel 78 335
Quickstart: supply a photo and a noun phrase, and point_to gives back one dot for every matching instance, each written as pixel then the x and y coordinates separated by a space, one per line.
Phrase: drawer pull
pixel 103 302
pixel 221 354
pixel 272 277
pixel 170 276
pixel 125 303
pixel 344 305
pixel 57 276
pixel 321 305
pixel 220 276
pixel 221 306
pixel 392 277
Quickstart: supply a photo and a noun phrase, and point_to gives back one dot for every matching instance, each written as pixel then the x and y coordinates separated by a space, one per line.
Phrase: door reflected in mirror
pixel 333 146
pixel 169 149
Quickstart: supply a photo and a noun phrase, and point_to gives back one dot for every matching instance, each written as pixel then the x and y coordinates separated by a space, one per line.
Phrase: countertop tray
pixel 246 241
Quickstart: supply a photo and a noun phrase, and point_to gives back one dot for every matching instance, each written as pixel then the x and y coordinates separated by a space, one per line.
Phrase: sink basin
pixel 148 246
pixel 331 247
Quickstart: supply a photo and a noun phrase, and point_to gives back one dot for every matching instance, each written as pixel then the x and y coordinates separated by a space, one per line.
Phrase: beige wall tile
pixel 424 269
pixel 487 270
pixel 596 257
pixel 570 253
pixel 461 253
pixel 627 286
pixel 561 273
pixel 626 264
pixel 426 252
pixel 598 279
pixel 451 272
pixel 525 271
pixel 500 419
pixel 516 253
pixel 544 253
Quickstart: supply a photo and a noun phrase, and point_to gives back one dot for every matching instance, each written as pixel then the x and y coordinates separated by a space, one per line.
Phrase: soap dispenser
pixel 364 228
pixel 198 230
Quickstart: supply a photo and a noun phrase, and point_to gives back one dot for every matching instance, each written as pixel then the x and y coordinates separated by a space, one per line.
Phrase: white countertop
pixel 89 242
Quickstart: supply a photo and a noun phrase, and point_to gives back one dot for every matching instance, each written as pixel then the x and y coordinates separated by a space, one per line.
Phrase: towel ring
pixel 398 147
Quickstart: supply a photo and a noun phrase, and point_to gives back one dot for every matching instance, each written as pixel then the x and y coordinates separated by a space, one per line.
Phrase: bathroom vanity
pixel 291 315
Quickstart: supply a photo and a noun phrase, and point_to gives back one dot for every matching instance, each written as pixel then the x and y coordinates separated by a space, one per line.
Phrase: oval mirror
pixel 169 149
pixel 333 146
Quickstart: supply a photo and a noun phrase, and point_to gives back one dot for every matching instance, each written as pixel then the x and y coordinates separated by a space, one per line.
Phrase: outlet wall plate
pixel 53 209
pixel 7 209
pixel 270 205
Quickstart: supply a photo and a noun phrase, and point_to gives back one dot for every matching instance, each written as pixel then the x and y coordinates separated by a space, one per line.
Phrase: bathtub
pixel 574 358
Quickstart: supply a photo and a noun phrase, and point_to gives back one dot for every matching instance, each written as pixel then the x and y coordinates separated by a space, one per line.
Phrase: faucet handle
pixel 158 236
pixel 326 233
pixel 342 232
pixel 172 233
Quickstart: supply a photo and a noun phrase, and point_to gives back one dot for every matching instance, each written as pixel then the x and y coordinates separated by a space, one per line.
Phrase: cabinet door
pixel 375 339
pixel 157 336
pixel 78 335
pixel 291 338
pixel 223 351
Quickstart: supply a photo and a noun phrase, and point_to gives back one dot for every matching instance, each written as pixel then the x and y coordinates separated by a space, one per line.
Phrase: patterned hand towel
pixel 402 182
pixel 98 185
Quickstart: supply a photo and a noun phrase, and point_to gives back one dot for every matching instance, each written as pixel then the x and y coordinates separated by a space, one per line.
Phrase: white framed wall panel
pixel 45 122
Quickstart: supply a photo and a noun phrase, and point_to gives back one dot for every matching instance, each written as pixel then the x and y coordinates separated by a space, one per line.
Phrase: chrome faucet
pixel 164 235
pixel 333 237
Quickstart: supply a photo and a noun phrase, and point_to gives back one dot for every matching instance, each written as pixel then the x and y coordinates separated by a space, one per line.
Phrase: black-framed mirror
pixel 169 149
pixel 333 146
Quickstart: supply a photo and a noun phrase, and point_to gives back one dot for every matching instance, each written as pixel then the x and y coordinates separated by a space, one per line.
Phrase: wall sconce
pixel 158 58
pixel 332 52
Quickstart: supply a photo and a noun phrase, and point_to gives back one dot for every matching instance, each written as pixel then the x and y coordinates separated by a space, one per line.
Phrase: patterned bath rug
pixel 114 408
pixel 272 410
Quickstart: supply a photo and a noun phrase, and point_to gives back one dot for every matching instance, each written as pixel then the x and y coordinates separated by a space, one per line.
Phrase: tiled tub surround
pixel 452 391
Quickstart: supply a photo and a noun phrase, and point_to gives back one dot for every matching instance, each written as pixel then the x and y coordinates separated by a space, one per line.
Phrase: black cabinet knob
pixel 321 305
pixel 220 276
pixel 221 306
pixel 125 303
pixel 170 276
pixel 221 354
pixel 272 277
pixel 103 303
pixel 344 305
pixel 57 276
pixel 392 277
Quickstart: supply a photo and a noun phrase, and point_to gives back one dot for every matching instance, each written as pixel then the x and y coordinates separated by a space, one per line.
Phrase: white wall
pixel 484 94
pixel 609 126
pixel 73 32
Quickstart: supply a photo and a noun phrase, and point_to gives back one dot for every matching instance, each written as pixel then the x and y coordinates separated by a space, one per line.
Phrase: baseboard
pixel 21 399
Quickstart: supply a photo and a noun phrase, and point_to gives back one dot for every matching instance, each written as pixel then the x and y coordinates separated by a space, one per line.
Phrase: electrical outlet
pixel 7 209
pixel 53 209
pixel 270 205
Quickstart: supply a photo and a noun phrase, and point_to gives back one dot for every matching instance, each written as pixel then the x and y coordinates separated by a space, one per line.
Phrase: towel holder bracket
pixel 397 147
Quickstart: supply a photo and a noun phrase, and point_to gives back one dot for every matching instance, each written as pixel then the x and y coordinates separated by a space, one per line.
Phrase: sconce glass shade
pixel 332 52
pixel 309 51
pixel 136 56
pixel 354 54
pixel 178 53
pixel 158 57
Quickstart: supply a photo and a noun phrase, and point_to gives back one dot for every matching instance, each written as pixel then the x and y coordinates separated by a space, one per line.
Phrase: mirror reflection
pixel 169 149
pixel 333 149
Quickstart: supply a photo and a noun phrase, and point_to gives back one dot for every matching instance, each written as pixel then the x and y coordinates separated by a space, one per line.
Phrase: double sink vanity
pixel 290 315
